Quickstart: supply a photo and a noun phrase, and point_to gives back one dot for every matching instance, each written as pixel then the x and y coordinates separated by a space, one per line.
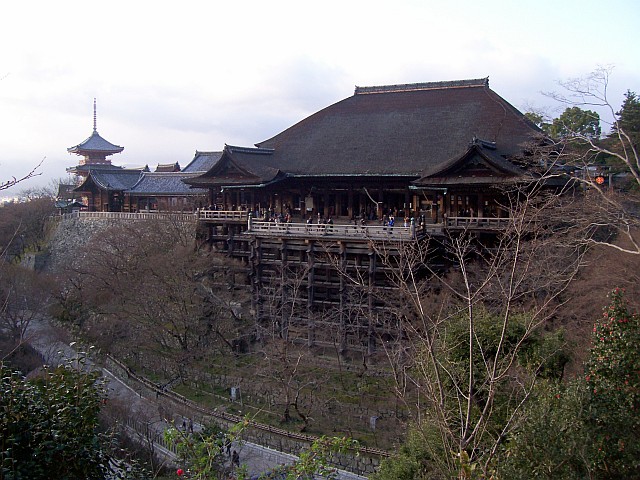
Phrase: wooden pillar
pixel 285 292
pixel 255 259
pixel 343 298
pixel 310 293
pixel 350 203
pixel 371 286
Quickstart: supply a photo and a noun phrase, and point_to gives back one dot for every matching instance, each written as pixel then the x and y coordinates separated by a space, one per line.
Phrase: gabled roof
pixel 68 204
pixel 95 144
pixel 164 184
pixel 240 166
pixel 202 161
pixel 168 167
pixel 110 180
pixel 398 130
pixel 65 191
pixel 480 164
pixel 88 167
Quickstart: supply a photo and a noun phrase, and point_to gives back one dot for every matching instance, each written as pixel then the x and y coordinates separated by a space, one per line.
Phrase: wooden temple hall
pixel 389 164
pixel 385 166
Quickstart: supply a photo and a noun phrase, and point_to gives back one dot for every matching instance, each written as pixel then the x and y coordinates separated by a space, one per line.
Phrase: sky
pixel 171 78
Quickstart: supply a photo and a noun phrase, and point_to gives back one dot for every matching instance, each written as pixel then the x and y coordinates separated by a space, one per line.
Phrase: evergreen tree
pixel 575 122
pixel 613 381
pixel 629 117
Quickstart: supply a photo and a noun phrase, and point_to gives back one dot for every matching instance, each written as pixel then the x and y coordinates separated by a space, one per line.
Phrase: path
pixel 257 458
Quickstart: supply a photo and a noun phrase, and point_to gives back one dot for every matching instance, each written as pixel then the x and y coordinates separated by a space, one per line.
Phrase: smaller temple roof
pixel 240 166
pixel 168 167
pixel 111 180
pixel 202 162
pixel 482 163
pixel 164 183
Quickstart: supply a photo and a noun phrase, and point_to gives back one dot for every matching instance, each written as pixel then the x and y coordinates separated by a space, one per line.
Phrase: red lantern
pixel 180 472
pixel 599 179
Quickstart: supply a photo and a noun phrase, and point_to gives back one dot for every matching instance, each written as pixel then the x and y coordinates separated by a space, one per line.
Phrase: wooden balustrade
pixel 182 217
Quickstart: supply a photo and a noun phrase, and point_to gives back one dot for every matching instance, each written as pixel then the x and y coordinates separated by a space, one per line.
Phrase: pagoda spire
pixel 95 117
pixel 95 149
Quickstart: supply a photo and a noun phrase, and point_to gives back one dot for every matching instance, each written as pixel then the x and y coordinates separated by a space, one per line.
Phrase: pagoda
pixel 94 151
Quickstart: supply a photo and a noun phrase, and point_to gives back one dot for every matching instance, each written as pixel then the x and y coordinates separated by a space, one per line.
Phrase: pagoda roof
pixel 95 144
pixel 88 167
pixel 399 130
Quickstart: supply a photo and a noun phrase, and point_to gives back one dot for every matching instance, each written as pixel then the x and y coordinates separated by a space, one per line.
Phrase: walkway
pixel 151 412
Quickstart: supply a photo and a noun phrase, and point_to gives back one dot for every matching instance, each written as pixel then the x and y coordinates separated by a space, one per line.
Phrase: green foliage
pixel 204 455
pixel 538 120
pixel 590 427
pixel 576 122
pixel 431 450
pixel 613 382
pixel 629 114
pixel 552 442
pixel 417 457
pixel 316 459
pixel 48 426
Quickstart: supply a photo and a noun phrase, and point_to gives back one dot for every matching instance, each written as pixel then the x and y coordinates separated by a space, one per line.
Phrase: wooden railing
pixel 374 232
pixel 181 217
pixel 211 215
pixel 477 223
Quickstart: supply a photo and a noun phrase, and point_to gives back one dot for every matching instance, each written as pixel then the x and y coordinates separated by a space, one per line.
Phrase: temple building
pixel 104 187
pixel 94 151
pixel 309 208
pixel 429 148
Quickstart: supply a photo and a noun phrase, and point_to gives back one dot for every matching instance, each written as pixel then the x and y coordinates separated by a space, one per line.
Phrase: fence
pixel 237 215
pixel 341 231
pixel 179 217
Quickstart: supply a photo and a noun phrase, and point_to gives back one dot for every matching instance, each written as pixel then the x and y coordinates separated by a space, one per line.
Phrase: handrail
pixel 374 232
pixel 477 222
pixel 185 217
pixel 205 214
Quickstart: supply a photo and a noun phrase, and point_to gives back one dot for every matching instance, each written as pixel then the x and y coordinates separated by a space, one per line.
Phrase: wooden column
pixel 344 315
pixel 285 292
pixel 256 281
pixel 371 286
pixel 310 293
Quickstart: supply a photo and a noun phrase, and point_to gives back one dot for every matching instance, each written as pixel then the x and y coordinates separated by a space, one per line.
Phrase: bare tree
pixel 463 362
pixel 6 184
pixel 144 290
pixel 611 214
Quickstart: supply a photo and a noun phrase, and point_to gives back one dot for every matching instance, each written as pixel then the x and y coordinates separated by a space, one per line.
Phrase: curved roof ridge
pixel 408 87
pixel 95 143
pixel 258 150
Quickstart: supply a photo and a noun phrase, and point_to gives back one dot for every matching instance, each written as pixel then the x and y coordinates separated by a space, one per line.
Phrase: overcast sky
pixel 171 78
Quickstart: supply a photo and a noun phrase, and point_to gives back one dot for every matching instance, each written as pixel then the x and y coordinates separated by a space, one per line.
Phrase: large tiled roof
pixel 95 143
pixel 202 161
pixel 399 130
pixel 164 183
